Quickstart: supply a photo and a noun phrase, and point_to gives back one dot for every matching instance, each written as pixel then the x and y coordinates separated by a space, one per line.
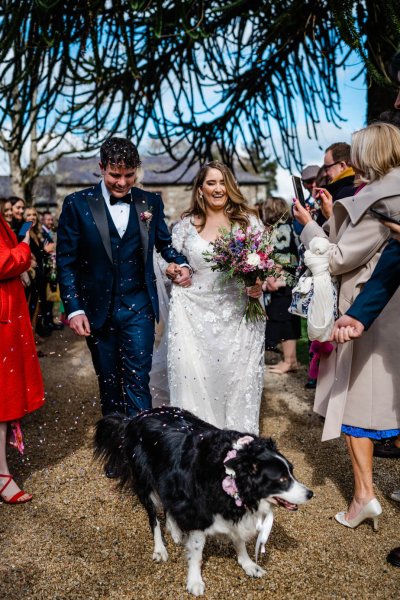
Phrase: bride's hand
pixel 254 291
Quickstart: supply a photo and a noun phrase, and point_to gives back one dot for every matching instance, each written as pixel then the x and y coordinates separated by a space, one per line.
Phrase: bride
pixel 215 357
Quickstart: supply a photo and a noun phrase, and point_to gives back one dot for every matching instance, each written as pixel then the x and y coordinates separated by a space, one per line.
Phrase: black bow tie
pixel 127 199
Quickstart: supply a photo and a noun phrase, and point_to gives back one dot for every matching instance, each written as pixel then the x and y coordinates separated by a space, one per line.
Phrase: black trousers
pixel 122 352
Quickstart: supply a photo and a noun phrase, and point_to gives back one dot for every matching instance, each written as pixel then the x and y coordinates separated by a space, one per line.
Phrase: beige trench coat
pixel 359 383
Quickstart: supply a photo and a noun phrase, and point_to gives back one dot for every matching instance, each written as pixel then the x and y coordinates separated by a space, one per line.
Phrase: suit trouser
pixel 122 352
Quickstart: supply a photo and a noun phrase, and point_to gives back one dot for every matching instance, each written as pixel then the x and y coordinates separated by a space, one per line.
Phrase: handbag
pixel 302 294
pixel 315 297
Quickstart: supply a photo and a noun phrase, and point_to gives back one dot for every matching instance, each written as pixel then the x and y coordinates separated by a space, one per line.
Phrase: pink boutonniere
pixel 147 216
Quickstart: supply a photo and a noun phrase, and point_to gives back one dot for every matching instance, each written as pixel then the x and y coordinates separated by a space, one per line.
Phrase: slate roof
pixel 5 186
pixel 44 189
pixel 76 171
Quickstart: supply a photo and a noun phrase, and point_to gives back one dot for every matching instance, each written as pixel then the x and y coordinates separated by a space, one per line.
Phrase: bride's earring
pixel 201 194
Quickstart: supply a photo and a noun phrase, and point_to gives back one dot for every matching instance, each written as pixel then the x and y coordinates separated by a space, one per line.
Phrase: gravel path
pixel 81 539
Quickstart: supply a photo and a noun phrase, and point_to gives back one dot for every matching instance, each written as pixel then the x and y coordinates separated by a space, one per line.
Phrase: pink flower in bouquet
pixel 240 236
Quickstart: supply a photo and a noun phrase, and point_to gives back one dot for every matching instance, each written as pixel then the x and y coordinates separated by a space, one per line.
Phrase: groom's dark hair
pixel 119 151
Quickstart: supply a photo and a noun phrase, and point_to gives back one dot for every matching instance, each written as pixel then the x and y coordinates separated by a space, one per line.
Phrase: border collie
pixel 207 481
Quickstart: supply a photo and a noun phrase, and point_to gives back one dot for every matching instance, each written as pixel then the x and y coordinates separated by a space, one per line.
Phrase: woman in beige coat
pixel 357 382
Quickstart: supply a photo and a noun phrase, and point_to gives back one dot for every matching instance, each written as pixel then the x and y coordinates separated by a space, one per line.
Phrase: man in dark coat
pixel 106 237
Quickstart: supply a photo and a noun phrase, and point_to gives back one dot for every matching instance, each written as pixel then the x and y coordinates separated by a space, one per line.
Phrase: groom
pixel 106 237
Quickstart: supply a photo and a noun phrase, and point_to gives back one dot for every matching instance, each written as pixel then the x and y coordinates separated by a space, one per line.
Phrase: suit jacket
pixel 380 288
pixel 358 383
pixel 84 255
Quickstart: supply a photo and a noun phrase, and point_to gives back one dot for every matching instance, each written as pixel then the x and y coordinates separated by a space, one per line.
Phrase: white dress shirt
pixel 119 211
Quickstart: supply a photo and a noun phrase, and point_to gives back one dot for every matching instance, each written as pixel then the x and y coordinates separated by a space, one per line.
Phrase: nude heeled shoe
pixel 372 510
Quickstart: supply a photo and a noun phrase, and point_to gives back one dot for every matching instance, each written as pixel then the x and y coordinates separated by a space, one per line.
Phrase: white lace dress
pixel 215 358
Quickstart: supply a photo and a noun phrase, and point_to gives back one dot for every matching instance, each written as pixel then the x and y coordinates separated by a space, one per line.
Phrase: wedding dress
pixel 215 357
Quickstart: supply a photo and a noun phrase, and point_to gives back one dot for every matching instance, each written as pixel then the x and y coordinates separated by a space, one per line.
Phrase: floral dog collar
pixel 229 482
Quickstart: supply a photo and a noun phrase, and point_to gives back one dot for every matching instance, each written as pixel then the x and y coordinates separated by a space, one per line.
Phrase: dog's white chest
pixel 245 529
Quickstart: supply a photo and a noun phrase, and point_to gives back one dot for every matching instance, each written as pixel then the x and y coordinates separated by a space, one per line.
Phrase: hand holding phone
pixel 25 227
pixel 298 190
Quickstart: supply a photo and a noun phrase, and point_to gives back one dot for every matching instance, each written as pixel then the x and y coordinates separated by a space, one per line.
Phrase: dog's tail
pixel 109 445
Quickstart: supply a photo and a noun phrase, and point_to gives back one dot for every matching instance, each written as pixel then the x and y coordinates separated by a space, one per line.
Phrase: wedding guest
pixel 18 207
pixel 365 309
pixel 50 235
pixel 21 390
pixel 358 383
pixel 339 170
pixel 106 236
pixel 48 225
pixel 40 249
pixel 282 327
pixel 215 356
pixel 6 210
pixel 308 178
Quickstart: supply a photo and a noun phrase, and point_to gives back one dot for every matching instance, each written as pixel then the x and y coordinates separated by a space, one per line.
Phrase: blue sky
pixel 354 106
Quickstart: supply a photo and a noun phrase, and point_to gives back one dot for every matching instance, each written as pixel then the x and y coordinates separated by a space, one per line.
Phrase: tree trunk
pixel 379 99
pixel 382 39
pixel 16 171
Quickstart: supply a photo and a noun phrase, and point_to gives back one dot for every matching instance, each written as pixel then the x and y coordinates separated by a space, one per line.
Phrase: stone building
pixel 174 186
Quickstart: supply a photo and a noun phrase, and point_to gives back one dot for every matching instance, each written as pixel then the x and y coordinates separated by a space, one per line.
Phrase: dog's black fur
pixel 170 454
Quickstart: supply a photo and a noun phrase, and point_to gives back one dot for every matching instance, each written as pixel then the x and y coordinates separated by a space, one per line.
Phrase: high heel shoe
pixel 16 498
pixel 372 510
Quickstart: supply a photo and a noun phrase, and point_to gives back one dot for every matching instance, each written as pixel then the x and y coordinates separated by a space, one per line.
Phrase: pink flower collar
pixel 229 482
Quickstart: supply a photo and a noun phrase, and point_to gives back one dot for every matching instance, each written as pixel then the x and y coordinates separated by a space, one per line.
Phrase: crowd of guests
pixel 29 291
pixel 108 285
pixel 40 280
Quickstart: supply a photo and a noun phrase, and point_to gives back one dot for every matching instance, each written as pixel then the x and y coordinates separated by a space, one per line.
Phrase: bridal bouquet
pixel 245 255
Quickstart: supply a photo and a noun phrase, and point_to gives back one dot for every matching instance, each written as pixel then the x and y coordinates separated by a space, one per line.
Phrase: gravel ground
pixel 81 539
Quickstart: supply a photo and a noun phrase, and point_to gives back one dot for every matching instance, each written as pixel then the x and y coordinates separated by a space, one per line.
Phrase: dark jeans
pixel 122 353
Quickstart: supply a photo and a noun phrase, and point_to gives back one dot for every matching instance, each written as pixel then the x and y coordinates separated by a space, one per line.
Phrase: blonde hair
pixel 236 207
pixel 36 230
pixel 375 150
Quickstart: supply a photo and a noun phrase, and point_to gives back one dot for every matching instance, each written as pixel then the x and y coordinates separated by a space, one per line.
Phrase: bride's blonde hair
pixel 237 208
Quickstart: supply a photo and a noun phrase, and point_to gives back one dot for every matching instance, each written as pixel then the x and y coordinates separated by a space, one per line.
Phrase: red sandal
pixel 16 498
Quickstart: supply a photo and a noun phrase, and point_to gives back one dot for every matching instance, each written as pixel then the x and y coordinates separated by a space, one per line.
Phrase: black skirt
pixel 281 324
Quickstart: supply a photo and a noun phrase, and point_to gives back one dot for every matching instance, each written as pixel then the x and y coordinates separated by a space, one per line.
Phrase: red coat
pixel 21 385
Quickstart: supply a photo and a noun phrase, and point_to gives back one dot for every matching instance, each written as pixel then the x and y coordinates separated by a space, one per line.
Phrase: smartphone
pixel 382 217
pixel 298 189
pixel 25 228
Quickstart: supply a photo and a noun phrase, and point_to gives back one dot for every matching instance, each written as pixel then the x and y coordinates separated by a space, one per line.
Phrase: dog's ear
pixel 270 444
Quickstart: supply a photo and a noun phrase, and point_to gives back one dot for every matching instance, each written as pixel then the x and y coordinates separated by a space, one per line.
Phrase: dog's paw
pixel 160 555
pixel 253 570
pixel 196 587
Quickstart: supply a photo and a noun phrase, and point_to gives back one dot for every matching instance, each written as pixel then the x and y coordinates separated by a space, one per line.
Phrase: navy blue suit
pixel 379 288
pixel 112 280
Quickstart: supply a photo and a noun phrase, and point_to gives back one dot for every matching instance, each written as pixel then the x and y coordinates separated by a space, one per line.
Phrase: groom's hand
pixel 184 279
pixel 173 271
pixel 80 325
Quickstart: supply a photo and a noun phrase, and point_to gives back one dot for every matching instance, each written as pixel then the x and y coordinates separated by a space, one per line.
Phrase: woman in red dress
pixel 21 389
